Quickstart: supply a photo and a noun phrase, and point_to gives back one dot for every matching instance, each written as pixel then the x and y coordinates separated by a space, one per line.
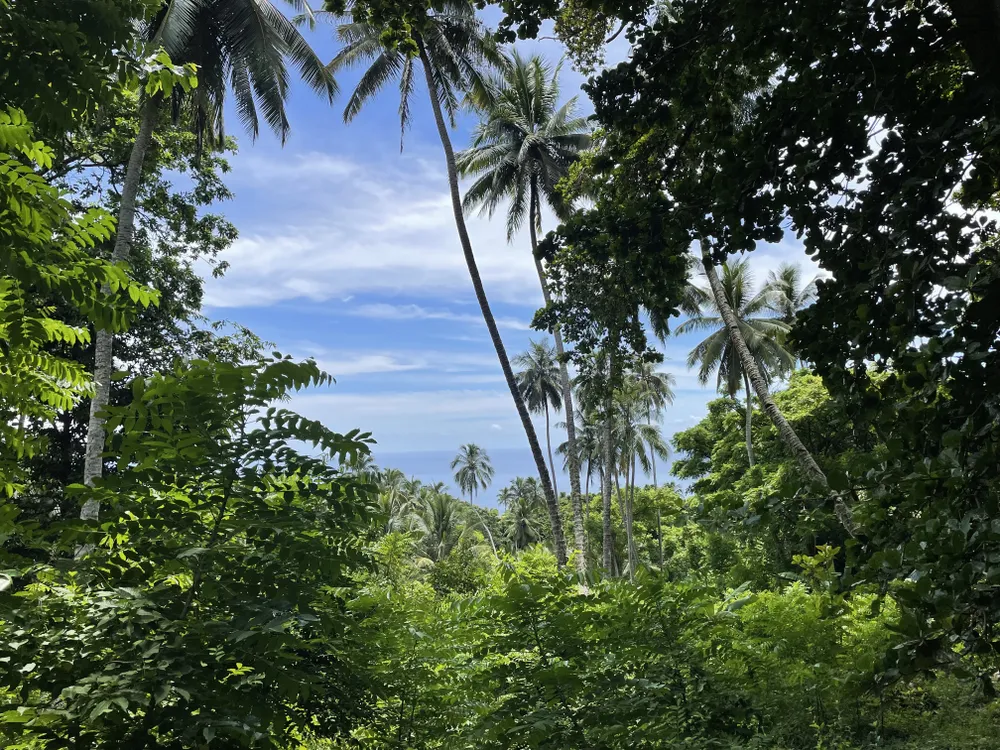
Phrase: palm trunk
pixel 558 541
pixel 659 534
pixel 548 444
pixel 609 540
pixel 93 466
pixel 802 455
pixel 633 555
pixel 576 501
pixel 746 385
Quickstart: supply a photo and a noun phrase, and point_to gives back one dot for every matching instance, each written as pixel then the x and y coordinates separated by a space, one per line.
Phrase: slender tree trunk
pixel 576 501
pixel 659 534
pixel 93 464
pixel 558 541
pixel 802 455
pixel 548 444
pixel 746 385
pixel 633 556
pixel 609 540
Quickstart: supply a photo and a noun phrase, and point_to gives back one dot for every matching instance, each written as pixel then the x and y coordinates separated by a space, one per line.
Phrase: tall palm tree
pixel 655 391
pixel 539 384
pixel 473 472
pixel 454 49
pixel 239 46
pixel 521 149
pixel 760 331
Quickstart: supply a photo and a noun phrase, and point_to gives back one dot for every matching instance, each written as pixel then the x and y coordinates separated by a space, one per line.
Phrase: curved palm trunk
pixel 93 465
pixel 802 455
pixel 633 555
pixel 746 385
pixel 576 500
pixel 558 540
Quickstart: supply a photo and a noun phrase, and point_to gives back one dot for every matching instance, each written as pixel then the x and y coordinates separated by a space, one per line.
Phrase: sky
pixel 348 254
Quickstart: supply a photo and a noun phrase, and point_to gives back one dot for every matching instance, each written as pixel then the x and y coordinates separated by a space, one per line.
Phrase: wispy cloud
pixel 382 311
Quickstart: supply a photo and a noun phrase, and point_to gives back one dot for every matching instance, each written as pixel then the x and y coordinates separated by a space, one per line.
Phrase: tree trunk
pixel 746 385
pixel 558 541
pixel 93 465
pixel 548 445
pixel 633 555
pixel 659 534
pixel 609 540
pixel 802 455
pixel 576 500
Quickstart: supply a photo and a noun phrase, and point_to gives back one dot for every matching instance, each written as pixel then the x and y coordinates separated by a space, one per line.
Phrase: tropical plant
pixel 656 391
pixel 539 384
pixel 473 470
pixel 718 354
pixel 524 504
pixel 522 148
pixel 439 519
pixel 790 293
pixel 455 51
pixel 237 45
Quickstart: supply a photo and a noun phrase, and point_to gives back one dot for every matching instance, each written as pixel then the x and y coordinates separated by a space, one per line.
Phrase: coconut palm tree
pixel 239 46
pixel 761 332
pixel 539 383
pixel 438 518
pixel 473 471
pixel 524 504
pixel 655 391
pixel 521 149
pixel 454 50
pixel 790 293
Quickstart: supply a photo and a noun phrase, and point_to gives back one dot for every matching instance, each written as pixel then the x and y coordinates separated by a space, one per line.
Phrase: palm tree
pixel 240 46
pixel 656 390
pixel 438 518
pixel 757 378
pixel 454 48
pixel 718 353
pixel 474 472
pixel 539 384
pixel 521 149
pixel 523 501
pixel 789 294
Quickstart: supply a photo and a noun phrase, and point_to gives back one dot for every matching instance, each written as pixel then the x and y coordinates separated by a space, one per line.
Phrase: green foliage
pixel 212 604
pixel 46 250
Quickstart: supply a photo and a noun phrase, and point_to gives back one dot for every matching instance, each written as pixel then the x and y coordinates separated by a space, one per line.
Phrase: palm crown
pixel 473 469
pixel 762 333
pixel 242 46
pixel 525 143
pixel 456 45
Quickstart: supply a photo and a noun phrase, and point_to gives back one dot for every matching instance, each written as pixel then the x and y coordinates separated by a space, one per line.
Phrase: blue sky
pixel 348 253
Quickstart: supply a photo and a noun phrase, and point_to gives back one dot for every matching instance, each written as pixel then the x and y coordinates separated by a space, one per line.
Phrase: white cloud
pixel 375 228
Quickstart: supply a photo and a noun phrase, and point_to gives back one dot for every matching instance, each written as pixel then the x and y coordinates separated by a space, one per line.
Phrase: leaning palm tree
pixel 454 50
pixel 756 378
pixel 762 333
pixel 539 383
pixel 239 46
pixel 521 149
